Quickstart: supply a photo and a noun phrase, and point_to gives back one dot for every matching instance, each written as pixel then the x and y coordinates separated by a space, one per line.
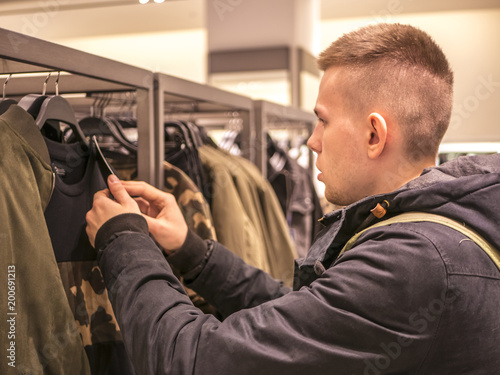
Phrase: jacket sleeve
pixel 361 316
pixel 222 278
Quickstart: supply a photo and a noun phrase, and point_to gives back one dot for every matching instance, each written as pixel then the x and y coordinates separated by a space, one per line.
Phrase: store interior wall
pixel 168 38
pixel 172 39
pixel 470 39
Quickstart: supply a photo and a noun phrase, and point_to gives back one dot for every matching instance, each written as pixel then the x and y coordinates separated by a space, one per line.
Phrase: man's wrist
pixel 190 255
pixel 128 222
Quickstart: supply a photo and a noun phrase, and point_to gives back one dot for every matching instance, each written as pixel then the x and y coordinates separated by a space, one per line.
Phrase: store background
pixel 172 38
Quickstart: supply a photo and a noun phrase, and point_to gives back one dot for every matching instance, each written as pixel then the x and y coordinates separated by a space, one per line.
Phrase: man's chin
pixel 336 199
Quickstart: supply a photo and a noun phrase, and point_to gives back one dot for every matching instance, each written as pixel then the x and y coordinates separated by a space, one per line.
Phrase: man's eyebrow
pixel 316 112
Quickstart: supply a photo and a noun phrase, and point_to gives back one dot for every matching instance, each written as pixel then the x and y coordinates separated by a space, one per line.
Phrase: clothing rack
pixel 271 116
pixel 157 95
pixel 80 73
pixel 176 96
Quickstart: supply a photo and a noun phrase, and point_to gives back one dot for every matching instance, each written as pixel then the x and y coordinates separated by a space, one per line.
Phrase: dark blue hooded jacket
pixel 408 298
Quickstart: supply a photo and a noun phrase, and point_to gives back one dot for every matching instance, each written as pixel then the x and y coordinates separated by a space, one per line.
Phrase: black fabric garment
pixel 408 298
pixel 78 178
pixel 299 201
pixel 181 149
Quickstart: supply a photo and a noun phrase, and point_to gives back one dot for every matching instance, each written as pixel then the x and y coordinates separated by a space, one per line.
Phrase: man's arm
pixel 343 323
pixel 250 286
pixel 226 281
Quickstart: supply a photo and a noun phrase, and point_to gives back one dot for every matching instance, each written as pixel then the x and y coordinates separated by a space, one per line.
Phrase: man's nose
pixel 314 142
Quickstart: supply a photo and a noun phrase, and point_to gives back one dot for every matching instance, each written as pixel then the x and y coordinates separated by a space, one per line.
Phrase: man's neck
pixel 399 174
pixel 413 171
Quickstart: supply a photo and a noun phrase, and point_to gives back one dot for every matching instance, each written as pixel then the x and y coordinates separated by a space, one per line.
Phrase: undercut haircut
pixel 400 69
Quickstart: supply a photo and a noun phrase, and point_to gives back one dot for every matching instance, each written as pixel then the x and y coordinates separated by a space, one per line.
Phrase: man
pixel 407 298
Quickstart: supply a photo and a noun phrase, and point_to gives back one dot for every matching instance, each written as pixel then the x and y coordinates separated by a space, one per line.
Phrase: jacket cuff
pixel 191 254
pixel 120 223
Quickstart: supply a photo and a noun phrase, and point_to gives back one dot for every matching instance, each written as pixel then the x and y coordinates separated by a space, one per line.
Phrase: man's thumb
pixel 117 190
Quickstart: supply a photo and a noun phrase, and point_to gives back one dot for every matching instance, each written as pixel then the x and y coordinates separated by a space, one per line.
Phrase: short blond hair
pixel 403 69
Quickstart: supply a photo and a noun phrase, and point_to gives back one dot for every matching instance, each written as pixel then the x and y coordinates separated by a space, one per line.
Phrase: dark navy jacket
pixel 408 298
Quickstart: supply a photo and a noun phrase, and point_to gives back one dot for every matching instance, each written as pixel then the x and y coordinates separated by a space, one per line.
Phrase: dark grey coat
pixel 412 298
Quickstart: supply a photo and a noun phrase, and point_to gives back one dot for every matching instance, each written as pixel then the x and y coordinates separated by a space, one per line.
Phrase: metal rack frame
pixel 88 73
pixel 270 116
pixel 157 94
pixel 177 95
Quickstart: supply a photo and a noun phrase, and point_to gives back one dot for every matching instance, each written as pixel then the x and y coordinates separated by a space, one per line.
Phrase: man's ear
pixel 378 135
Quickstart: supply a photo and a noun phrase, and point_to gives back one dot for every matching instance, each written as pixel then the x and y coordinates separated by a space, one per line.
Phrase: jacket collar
pixel 431 191
pixel 340 225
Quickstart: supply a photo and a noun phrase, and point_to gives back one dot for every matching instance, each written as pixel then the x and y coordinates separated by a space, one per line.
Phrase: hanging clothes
pixel 192 204
pixel 78 178
pixel 247 216
pixel 232 224
pixel 42 336
pixel 181 149
pixel 293 185
pixel 191 201
pixel 196 212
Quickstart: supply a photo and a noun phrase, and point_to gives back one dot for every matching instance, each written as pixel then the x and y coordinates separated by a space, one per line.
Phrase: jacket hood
pixel 466 189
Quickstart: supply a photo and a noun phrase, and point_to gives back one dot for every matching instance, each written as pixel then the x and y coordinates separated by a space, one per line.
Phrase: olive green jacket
pixel 37 329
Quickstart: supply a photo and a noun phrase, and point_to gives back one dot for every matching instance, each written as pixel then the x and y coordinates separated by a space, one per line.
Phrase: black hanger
pixel 57 108
pixel 194 132
pixel 106 126
pixel 94 126
pixel 117 125
pixel 277 157
pixel 52 110
pixel 177 136
pixel 32 103
pixel 5 105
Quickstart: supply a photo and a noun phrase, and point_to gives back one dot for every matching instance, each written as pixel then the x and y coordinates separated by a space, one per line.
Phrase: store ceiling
pixel 31 6
pixel 330 9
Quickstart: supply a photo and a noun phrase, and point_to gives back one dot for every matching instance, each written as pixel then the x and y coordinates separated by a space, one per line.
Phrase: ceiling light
pixel 144 1
pixel 159 1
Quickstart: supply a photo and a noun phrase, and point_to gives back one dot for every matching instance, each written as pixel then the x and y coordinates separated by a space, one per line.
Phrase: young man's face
pixel 338 142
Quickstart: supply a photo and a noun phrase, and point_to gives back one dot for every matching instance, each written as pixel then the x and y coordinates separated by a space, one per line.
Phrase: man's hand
pixel 160 210
pixel 162 213
pixel 105 208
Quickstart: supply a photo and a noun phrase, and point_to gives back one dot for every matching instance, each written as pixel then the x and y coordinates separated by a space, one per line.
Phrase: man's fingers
pixel 101 194
pixel 143 190
pixel 143 205
pixel 118 191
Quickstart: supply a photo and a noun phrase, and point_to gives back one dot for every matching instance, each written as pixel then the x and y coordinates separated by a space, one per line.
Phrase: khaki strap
pixel 410 217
